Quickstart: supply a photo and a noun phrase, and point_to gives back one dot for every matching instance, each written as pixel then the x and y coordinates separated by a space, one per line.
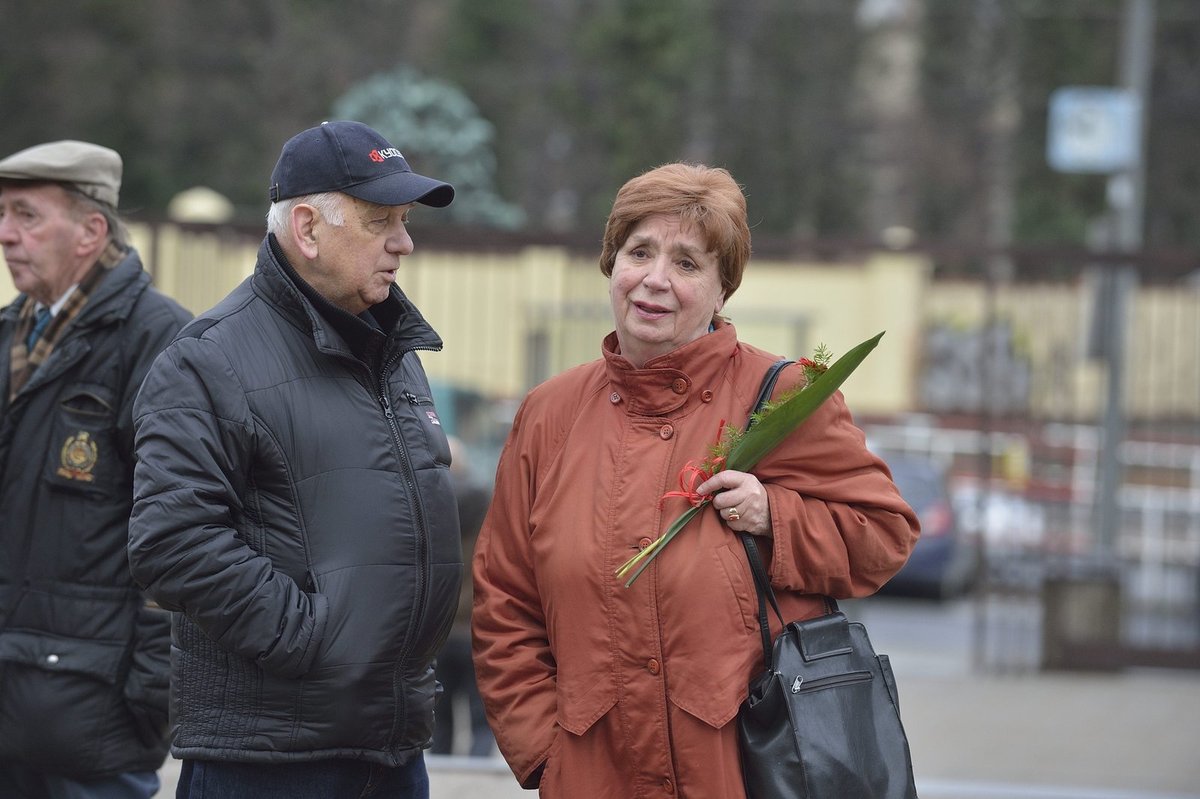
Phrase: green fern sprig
pixel 718 451
pixel 813 368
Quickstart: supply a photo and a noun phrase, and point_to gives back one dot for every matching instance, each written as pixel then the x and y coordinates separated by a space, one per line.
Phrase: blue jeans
pixel 316 779
pixel 18 782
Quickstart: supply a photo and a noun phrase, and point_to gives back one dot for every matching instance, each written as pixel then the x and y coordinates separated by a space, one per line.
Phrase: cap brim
pixel 402 188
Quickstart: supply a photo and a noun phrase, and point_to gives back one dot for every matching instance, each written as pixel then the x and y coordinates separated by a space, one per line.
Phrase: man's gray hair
pixel 329 204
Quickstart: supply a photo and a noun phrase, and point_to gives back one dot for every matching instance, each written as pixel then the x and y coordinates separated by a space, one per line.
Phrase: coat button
pixel 666 431
pixel 668 786
pixel 614 398
pixel 652 666
pixel 52 659
pixel 706 396
pixel 679 385
pixel 645 542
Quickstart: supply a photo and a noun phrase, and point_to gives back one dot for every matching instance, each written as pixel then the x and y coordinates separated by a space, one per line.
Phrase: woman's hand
pixel 740 500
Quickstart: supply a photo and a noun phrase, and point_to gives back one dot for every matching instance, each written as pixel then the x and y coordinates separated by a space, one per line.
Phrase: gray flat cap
pixel 94 170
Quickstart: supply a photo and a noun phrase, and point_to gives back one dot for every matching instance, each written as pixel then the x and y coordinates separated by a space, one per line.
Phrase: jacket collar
pixel 112 298
pixel 666 383
pixel 401 322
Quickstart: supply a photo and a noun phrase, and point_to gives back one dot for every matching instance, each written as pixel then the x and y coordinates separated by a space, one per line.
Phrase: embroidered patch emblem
pixel 433 417
pixel 78 458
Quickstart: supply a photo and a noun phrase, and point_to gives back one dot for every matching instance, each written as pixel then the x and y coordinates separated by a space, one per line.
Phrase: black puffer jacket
pixel 295 507
pixel 83 662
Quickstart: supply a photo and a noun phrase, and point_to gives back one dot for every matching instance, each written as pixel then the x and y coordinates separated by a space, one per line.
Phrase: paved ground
pixel 1046 736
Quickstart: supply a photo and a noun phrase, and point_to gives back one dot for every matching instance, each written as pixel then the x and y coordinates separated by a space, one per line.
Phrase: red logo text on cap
pixel 379 156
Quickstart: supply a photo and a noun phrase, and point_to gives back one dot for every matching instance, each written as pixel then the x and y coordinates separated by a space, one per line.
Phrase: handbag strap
pixel 767 388
pixel 762 583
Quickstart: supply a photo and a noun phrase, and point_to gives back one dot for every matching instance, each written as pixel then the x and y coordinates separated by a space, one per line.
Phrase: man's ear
pixel 304 230
pixel 93 234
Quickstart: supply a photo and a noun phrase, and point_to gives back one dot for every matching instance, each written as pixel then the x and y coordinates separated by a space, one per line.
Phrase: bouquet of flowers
pixel 741 450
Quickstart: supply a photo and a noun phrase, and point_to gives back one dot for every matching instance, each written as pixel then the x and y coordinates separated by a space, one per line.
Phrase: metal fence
pixel 1074 573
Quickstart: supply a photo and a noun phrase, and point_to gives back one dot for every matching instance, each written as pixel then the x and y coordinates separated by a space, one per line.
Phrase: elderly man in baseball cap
pixel 84 658
pixel 294 496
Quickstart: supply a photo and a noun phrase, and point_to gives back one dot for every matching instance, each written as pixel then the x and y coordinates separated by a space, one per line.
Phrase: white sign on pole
pixel 1092 129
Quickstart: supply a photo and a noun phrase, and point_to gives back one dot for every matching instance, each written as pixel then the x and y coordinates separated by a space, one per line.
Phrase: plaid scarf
pixel 25 362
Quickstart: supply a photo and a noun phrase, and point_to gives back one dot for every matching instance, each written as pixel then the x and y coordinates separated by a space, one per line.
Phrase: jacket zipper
pixel 65 349
pixel 422 531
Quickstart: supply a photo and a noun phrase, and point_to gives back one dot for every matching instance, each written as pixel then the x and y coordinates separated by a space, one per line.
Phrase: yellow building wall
pixel 790 308
pixel 509 320
pixel 1050 325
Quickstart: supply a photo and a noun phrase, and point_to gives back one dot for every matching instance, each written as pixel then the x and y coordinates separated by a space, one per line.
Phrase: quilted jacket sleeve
pixel 194 438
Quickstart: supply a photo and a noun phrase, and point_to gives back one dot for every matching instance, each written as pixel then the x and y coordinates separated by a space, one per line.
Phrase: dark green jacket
pixel 83 662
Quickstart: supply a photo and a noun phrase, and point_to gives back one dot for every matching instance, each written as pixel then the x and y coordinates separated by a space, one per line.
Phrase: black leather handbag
pixel 823 720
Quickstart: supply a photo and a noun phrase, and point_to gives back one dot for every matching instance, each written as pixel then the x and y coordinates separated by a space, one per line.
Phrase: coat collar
pixel 404 324
pixel 667 383
pixel 113 296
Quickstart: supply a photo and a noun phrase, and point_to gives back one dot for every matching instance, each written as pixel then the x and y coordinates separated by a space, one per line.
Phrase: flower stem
pixel 638 563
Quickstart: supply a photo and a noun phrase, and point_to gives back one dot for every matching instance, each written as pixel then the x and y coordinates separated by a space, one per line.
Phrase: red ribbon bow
pixel 692 475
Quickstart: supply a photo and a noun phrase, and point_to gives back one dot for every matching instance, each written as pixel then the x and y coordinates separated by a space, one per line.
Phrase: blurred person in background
pixel 83 657
pixel 455 671
pixel 598 690
pixel 294 505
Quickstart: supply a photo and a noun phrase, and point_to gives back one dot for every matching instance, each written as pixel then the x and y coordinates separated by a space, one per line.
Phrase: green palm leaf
pixel 762 437
pixel 777 425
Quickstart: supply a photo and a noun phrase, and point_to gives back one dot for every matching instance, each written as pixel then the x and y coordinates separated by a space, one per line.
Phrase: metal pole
pixel 1127 199
pixel 1135 67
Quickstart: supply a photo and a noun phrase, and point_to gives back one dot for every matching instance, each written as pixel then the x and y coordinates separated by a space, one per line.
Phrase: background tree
pixel 582 94
pixel 441 130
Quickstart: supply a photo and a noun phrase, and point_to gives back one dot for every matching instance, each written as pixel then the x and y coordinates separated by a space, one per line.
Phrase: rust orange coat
pixel 595 690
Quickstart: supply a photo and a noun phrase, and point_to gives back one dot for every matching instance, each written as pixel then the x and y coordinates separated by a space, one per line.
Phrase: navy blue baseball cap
pixel 354 159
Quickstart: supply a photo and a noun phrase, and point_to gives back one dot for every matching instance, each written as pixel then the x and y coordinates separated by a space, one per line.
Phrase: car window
pixel 920 483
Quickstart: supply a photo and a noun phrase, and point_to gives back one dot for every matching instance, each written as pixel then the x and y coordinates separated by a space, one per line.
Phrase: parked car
pixel 944 562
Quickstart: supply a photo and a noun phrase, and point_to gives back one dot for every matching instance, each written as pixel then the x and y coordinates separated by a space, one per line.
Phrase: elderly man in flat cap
pixel 83 656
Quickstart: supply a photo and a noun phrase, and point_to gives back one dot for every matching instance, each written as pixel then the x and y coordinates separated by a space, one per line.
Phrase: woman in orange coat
pixel 598 691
